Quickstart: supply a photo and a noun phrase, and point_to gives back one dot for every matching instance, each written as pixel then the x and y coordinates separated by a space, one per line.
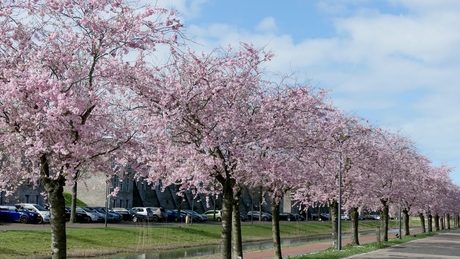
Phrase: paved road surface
pixel 445 245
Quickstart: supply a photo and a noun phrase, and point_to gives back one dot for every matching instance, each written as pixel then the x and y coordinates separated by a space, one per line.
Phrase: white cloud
pixel 268 24
pixel 399 70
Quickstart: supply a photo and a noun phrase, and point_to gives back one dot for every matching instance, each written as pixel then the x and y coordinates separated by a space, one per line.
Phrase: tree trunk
pixel 422 222
pixel 55 189
pixel 227 207
pixel 276 229
pixel 334 218
pixel 430 223
pixel 448 221
pixel 236 226
pixel 73 205
pixel 406 222
pixel 442 220
pixel 354 226
pixel 384 220
pixel 436 222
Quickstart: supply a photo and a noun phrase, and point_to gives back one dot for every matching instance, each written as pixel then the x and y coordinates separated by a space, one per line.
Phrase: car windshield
pixel 86 209
pixel 39 207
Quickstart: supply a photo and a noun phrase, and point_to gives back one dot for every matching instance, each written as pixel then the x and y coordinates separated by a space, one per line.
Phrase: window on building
pixel 127 184
pixel 27 198
pixel 115 181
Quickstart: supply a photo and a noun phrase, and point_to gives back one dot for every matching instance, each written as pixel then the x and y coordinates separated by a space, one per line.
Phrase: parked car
pixel 172 216
pixel 91 213
pixel 345 217
pixel 197 217
pixel 144 211
pixel 159 214
pixel 255 215
pixel 243 216
pixel 287 216
pixel 37 208
pixel 126 215
pixel 325 216
pixel 79 217
pixel 13 213
pixel 299 217
pixel 215 215
pixel 111 215
pixel 130 215
pixel 372 216
pixel 194 217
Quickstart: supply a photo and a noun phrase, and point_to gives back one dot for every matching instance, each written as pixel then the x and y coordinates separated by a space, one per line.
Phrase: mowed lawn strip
pixel 110 240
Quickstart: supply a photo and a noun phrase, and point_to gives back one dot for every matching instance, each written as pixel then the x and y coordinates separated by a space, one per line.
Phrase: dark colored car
pixel 299 217
pixel 287 216
pixel 243 216
pixel 79 217
pixel 255 215
pixel 130 215
pixel 14 213
pixel 172 216
pixel 112 216
pixel 197 217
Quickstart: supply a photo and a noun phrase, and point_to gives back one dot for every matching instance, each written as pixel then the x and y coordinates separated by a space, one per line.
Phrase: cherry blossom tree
pixel 384 170
pixel 65 87
pixel 199 123
pixel 337 151
pixel 289 112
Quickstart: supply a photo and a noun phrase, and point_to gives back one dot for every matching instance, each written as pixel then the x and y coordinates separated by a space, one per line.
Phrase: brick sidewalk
pixel 309 248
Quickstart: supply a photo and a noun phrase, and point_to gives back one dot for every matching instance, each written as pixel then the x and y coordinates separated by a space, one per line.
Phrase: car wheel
pixel 155 218
pixel 265 219
pixel 134 219
pixel 288 219
pixel 88 220
pixel 24 219
pixel 219 219
pixel 40 221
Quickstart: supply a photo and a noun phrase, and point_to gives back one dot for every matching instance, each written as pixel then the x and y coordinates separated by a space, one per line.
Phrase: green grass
pixel 349 250
pixel 114 239
pixel 68 200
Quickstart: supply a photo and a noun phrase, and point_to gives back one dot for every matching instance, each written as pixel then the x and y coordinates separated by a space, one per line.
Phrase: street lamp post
pixel 106 201
pixel 339 205
pixel 399 219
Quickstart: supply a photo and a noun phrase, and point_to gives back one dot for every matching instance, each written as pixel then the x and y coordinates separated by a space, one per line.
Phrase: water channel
pixel 215 249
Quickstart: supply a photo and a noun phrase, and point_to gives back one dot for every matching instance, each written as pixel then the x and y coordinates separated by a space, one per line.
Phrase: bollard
pixel 378 236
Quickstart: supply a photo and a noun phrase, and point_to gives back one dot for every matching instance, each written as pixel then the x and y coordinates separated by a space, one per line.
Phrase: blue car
pixel 12 213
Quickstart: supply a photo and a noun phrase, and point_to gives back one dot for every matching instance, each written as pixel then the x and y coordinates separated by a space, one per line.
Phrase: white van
pixel 37 208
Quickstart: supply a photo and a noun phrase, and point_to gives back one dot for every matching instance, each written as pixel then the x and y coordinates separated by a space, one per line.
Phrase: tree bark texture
pixel 406 223
pixel 430 223
pixel 73 205
pixel 436 222
pixel 354 226
pixel 236 227
pixel 227 207
pixel 55 188
pixel 448 221
pixel 422 222
pixel 334 218
pixel 276 229
pixel 384 220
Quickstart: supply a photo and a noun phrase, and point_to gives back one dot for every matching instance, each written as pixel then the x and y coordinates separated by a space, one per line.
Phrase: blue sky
pixel 394 62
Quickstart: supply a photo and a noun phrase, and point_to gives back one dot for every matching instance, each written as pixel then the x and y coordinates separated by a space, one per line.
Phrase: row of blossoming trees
pixel 78 73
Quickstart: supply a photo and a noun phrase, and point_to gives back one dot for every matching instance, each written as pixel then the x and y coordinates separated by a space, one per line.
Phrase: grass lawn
pixel 100 240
